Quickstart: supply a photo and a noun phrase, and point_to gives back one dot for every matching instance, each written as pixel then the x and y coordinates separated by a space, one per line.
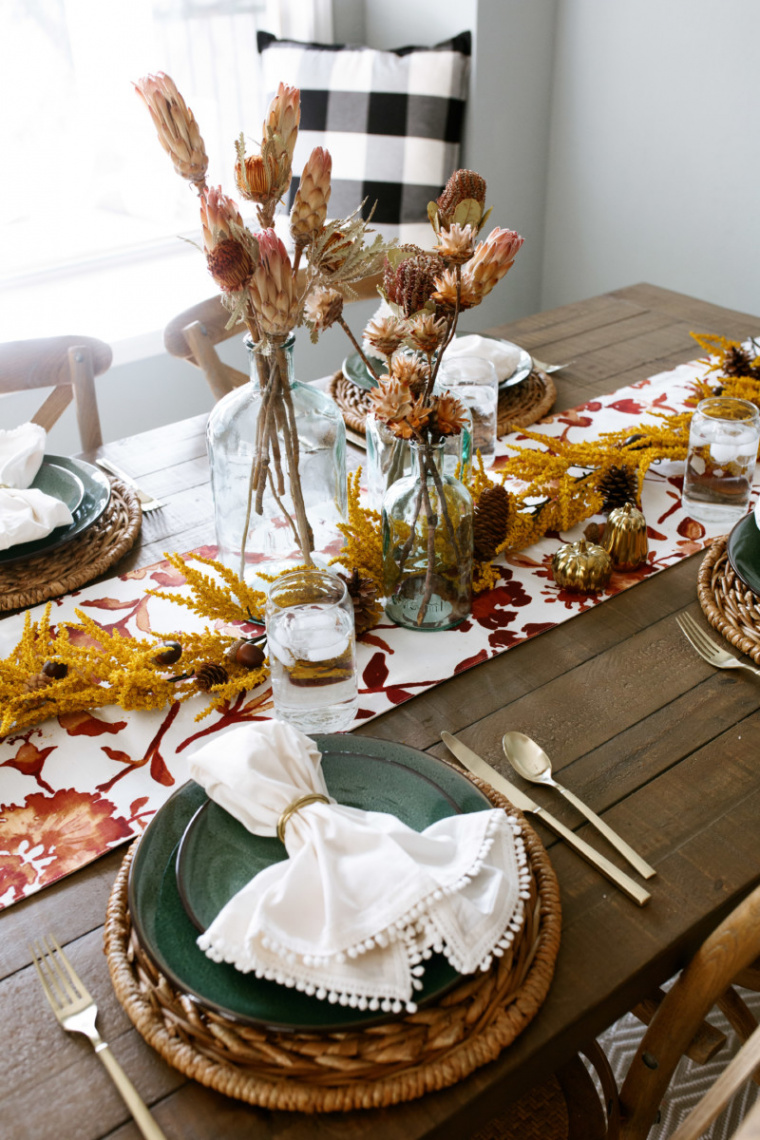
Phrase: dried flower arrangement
pixel 260 286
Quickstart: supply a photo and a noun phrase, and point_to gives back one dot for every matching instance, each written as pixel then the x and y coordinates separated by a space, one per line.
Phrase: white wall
pixel 654 164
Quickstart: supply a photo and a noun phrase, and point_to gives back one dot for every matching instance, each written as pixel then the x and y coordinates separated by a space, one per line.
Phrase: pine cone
pixel 490 522
pixel 737 362
pixel 209 675
pixel 363 593
pixel 618 486
pixel 37 681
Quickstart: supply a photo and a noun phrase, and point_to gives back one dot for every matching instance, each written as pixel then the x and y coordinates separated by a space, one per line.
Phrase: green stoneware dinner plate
pixel 374 774
pixel 355 370
pixel 96 494
pixel 743 550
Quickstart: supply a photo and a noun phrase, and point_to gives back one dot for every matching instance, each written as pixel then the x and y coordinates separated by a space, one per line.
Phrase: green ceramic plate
pixel 95 498
pixel 355 370
pixel 743 550
pixel 374 774
pixel 60 483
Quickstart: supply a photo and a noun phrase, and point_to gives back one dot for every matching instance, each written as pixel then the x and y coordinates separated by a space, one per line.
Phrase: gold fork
pixel 712 653
pixel 76 1011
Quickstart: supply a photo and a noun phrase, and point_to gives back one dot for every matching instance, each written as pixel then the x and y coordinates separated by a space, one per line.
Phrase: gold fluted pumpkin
pixel 625 537
pixel 582 567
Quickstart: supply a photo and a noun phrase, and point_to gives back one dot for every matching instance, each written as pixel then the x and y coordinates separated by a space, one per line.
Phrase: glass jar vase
pixel 288 513
pixel 390 458
pixel 427 544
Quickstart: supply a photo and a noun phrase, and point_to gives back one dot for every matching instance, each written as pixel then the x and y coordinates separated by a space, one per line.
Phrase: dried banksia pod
pixel 414 282
pixel 309 211
pixel 490 522
pixel 210 675
pixel 175 123
pixel 618 485
pixel 463 187
pixel 363 593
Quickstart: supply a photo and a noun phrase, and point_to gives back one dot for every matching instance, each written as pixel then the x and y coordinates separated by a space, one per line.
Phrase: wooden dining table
pixel 661 745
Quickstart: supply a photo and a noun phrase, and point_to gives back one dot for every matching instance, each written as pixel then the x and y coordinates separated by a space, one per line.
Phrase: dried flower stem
pixel 432 521
pixel 357 346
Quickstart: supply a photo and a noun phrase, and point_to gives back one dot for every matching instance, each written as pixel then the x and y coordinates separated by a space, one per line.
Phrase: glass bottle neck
pixel 261 361
pixel 435 454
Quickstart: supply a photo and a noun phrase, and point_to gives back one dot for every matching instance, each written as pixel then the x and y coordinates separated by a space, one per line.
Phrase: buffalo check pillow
pixel 392 121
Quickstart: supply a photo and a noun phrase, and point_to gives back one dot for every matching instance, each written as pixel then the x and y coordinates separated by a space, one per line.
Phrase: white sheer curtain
pixel 84 178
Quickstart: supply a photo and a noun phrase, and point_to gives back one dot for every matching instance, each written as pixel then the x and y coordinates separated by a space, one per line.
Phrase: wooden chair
pixel 567 1107
pixel 68 365
pixel 194 334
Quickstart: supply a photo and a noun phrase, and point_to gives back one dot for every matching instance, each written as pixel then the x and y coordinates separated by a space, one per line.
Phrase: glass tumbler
pixel 312 650
pixel 720 462
pixel 475 382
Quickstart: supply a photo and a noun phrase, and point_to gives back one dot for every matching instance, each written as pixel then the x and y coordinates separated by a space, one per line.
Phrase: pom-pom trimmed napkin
pixel 362 901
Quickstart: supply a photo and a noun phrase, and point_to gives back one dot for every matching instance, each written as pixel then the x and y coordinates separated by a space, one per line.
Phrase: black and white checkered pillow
pixel 392 121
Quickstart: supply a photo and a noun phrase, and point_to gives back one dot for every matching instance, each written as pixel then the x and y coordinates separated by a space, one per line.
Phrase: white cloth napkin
pixel 363 900
pixel 504 357
pixel 25 513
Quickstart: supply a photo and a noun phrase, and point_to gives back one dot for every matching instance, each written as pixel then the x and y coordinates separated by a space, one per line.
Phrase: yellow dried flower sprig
pixel 363 548
pixel 209 599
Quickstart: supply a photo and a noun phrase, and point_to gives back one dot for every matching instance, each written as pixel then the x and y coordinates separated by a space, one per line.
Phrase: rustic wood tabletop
pixel 659 743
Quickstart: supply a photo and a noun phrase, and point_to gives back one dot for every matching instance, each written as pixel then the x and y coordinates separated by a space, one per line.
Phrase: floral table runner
pixel 75 786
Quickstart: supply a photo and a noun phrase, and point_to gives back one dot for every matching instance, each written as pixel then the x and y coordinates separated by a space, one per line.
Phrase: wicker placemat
pixel 520 406
pixel 329 1072
pixel 729 606
pixel 50 574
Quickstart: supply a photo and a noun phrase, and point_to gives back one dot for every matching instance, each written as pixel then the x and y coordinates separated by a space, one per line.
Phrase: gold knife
pixel 478 766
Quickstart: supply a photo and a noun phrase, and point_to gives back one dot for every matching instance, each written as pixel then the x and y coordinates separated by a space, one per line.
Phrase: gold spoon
pixel 531 762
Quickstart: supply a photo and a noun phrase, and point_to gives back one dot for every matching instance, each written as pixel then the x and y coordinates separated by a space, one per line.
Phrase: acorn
pixel 55 670
pixel 247 653
pixel 170 654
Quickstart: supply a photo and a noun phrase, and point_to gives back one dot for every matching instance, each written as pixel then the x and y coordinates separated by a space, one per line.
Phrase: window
pixel 85 179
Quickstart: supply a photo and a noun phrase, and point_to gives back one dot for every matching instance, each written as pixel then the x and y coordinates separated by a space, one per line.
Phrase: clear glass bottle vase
pixel 427 577
pixel 269 540
pixel 390 458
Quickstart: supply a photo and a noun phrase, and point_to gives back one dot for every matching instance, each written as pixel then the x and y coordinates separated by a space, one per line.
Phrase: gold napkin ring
pixel 291 809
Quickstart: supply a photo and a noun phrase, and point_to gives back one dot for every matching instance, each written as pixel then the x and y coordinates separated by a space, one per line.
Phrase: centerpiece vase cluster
pixel 277 447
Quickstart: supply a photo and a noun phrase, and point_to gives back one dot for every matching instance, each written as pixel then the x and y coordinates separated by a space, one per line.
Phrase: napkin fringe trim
pixel 416 930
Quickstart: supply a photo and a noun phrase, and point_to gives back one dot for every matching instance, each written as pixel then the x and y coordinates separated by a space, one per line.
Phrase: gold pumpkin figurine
pixel 625 537
pixel 582 567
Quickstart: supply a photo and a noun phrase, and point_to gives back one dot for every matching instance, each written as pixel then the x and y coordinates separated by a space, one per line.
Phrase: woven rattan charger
pixel 520 406
pixel 729 606
pixel 329 1072
pixel 50 574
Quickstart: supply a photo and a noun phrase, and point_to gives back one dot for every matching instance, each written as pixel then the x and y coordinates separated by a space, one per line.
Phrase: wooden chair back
pixel 68 365
pixel 729 955
pixel 194 334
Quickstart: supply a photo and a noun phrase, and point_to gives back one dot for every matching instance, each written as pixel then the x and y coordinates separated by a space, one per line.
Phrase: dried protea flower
pixel 230 261
pixel 177 129
pixel 333 255
pixel 450 415
pixel 255 176
pixel 417 420
pixel 426 332
pixel 491 260
pixel 385 334
pixel 463 186
pixel 310 206
pixel 323 308
pixel 446 288
pixel 273 287
pixel 456 244
pixel 413 282
pixel 283 119
pixel 391 399
pixel 411 370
